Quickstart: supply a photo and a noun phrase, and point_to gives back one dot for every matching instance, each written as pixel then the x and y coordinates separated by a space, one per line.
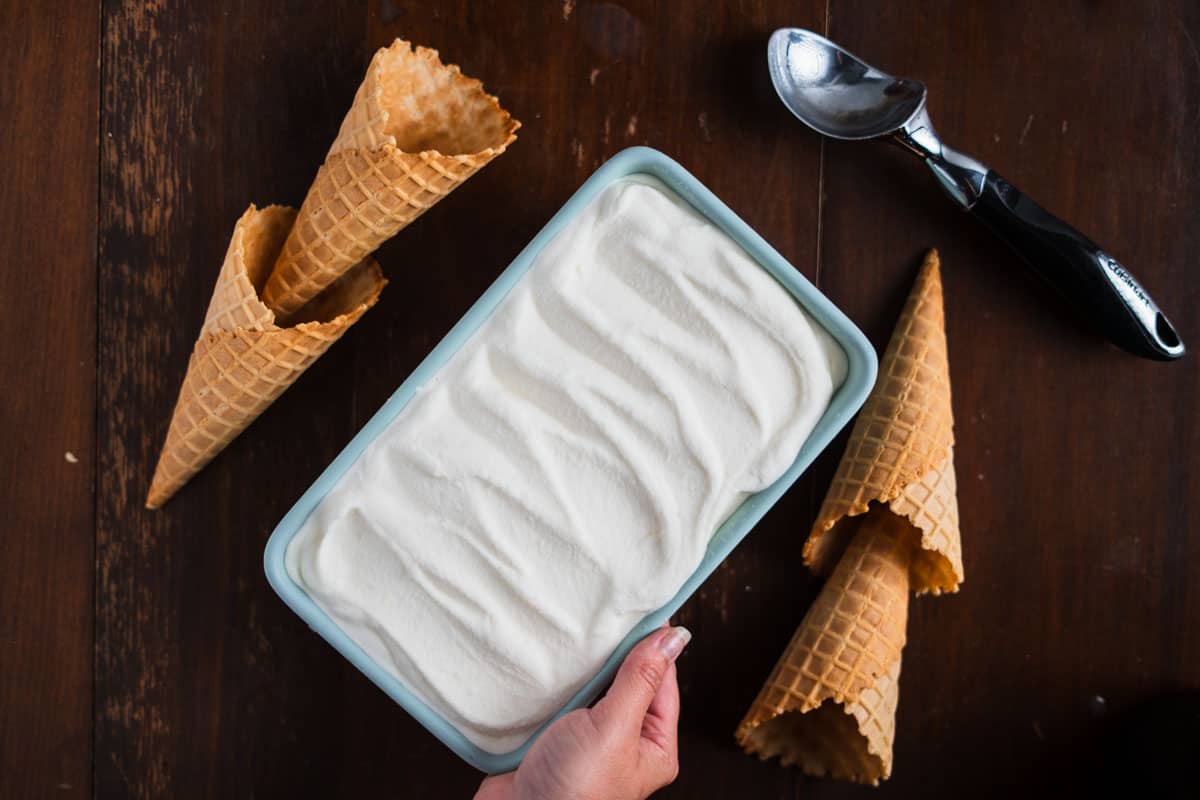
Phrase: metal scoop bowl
pixel 841 96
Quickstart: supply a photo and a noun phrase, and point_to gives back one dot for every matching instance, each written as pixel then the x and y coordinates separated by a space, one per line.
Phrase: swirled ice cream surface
pixel 561 476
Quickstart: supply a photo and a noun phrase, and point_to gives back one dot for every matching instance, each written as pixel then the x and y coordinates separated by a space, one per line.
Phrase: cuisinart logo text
pixel 1124 277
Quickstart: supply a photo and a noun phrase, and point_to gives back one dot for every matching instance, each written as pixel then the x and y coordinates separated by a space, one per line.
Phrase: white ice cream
pixel 562 475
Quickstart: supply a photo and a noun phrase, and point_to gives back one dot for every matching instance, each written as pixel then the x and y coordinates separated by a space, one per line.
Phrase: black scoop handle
pixel 1102 290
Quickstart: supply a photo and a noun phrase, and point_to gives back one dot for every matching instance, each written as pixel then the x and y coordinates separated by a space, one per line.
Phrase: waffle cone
pixel 901 451
pixel 416 130
pixel 829 705
pixel 243 360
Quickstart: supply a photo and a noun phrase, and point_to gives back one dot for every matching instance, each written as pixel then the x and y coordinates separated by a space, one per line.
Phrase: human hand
pixel 622 748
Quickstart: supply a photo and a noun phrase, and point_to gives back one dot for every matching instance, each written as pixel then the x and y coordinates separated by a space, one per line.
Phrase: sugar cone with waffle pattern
pixel 243 360
pixel 901 451
pixel 888 525
pixel 416 130
pixel 293 283
pixel 829 706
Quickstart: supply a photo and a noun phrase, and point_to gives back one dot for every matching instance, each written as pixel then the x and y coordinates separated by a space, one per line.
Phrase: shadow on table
pixel 1147 751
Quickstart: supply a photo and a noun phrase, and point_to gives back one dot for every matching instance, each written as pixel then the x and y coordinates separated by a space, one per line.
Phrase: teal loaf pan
pixel 860 376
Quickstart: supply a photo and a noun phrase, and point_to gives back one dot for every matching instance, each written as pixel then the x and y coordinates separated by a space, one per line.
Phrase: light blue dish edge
pixel 860 377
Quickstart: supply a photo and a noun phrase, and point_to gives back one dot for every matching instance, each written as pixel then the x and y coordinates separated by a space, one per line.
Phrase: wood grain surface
pixel 49 91
pixel 142 654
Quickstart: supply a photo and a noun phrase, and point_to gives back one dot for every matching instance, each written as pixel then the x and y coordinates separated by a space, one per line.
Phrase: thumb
pixel 640 675
pixel 496 787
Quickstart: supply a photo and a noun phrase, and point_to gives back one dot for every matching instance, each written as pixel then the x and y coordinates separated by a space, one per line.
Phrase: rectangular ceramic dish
pixel 846 401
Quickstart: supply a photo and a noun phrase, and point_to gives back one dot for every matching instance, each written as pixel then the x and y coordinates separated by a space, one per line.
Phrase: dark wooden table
pixel 142 653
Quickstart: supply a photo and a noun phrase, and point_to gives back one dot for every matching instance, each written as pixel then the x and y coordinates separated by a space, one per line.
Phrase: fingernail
pixel 673 642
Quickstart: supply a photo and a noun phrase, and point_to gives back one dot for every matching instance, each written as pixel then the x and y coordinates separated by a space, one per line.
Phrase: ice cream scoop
pixel 841 96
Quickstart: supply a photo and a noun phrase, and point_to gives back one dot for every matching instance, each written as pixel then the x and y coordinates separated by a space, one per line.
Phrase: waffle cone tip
pixel 243 360
pixel 900 452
